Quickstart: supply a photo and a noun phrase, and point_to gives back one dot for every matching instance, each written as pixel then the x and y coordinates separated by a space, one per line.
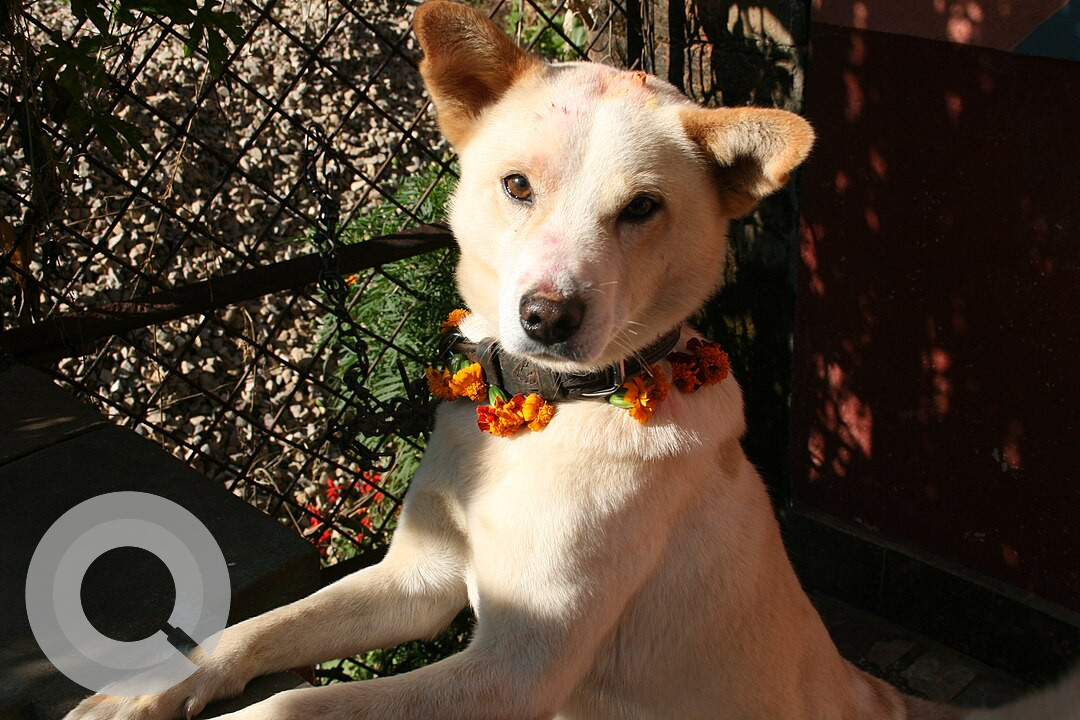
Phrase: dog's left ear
pixel 468 64
pixel 755 150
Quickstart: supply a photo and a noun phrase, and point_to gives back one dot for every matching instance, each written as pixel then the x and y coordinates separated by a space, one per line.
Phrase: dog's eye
pixel 640 208
pixel 518 187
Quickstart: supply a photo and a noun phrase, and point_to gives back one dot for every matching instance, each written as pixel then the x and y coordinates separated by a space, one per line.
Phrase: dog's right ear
pixel 754 150
pixel 468 64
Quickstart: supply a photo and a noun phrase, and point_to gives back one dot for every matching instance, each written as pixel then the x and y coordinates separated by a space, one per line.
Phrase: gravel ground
pixel 253 356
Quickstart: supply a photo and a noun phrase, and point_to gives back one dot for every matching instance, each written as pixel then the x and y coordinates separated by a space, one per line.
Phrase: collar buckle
pixel 619 374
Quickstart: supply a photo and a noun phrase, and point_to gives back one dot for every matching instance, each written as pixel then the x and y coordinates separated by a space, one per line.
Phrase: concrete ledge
pixel 56 452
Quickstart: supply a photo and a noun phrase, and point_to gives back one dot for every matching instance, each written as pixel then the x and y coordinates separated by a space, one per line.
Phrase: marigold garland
pixel 703 363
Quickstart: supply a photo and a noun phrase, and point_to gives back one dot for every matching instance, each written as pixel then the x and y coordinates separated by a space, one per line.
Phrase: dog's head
pixel 593 204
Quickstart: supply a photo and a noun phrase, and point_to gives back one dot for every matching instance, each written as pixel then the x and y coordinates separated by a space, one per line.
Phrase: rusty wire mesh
pixel 250 392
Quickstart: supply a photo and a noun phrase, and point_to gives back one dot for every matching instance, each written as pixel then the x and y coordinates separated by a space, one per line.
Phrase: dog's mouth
pixel 564 357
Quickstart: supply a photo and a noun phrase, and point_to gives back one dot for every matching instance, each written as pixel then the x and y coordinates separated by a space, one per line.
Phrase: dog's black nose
pixel 550 318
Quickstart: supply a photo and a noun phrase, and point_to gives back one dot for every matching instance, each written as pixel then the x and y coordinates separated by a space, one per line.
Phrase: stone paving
pixel 916 664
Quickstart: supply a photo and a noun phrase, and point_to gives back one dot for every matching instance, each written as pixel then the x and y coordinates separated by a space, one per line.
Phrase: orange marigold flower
pixel 537 412
pixel 639 395
pixel 501 419
pixel 684 372
pixel 713 363
pixel 453 320
pixel 469 382
pixel 439 383
pixel 352 280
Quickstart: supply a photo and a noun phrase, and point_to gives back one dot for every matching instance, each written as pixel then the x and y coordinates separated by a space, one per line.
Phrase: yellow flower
pixel 537 412
pixel 439 383
pixel 453 320
pixel 469 382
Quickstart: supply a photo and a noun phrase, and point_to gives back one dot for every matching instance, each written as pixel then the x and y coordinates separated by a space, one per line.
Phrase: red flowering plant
pixel 347 514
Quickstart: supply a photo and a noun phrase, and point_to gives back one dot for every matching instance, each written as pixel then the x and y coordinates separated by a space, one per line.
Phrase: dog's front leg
pixel 465 686
pixel 551 577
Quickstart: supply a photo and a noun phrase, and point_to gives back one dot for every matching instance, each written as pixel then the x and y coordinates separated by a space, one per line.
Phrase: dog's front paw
pixel 107 707
pixel 184 701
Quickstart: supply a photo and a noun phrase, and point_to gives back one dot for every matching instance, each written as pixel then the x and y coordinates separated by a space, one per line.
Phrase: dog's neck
pixel 516 374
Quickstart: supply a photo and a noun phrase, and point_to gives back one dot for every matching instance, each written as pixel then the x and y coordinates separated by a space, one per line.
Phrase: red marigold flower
pixel 684 372
pixel 713 362
pixel 503 418
pixel 485 414
pixel 333 492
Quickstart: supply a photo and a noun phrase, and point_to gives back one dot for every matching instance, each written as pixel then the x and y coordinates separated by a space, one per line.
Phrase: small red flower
pixel 333 490
pixel 706 363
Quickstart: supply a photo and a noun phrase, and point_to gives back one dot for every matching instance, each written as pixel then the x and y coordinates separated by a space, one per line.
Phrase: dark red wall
pixel 937 357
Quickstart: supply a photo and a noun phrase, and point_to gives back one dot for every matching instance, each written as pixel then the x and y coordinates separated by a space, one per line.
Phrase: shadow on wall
pixel 747 53
pixel 938 326
pixel 752 53
pixel 998 24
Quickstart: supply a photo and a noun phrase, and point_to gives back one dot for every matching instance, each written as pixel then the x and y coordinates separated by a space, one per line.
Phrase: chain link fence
pixel 218 228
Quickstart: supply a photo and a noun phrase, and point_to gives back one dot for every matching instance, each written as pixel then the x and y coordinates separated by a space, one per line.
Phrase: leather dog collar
pixel 516 374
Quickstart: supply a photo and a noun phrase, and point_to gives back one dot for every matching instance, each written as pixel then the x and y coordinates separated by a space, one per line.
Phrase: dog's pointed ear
pixel 468 64
pixel 755 150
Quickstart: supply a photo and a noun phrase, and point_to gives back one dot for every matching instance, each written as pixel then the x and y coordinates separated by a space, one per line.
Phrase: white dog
pixel 617 568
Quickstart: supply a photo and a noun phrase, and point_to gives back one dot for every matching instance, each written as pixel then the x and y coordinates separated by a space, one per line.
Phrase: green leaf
pixel 123 15
pixel 216 52
pixel 494 391
pixel 93 11
pixel 109 138
pixel 459 362
pixel 71 81
pixel 618 399
pixel 180 11
pixel 78 122
pixel 231 24
pixel 132 135
pixel 195 36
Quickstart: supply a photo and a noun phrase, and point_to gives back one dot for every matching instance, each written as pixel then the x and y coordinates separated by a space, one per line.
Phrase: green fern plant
pixel 401 305
pixel 403 302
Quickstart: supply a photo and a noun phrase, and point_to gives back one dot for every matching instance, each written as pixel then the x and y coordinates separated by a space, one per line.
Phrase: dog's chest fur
pixel 561 520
